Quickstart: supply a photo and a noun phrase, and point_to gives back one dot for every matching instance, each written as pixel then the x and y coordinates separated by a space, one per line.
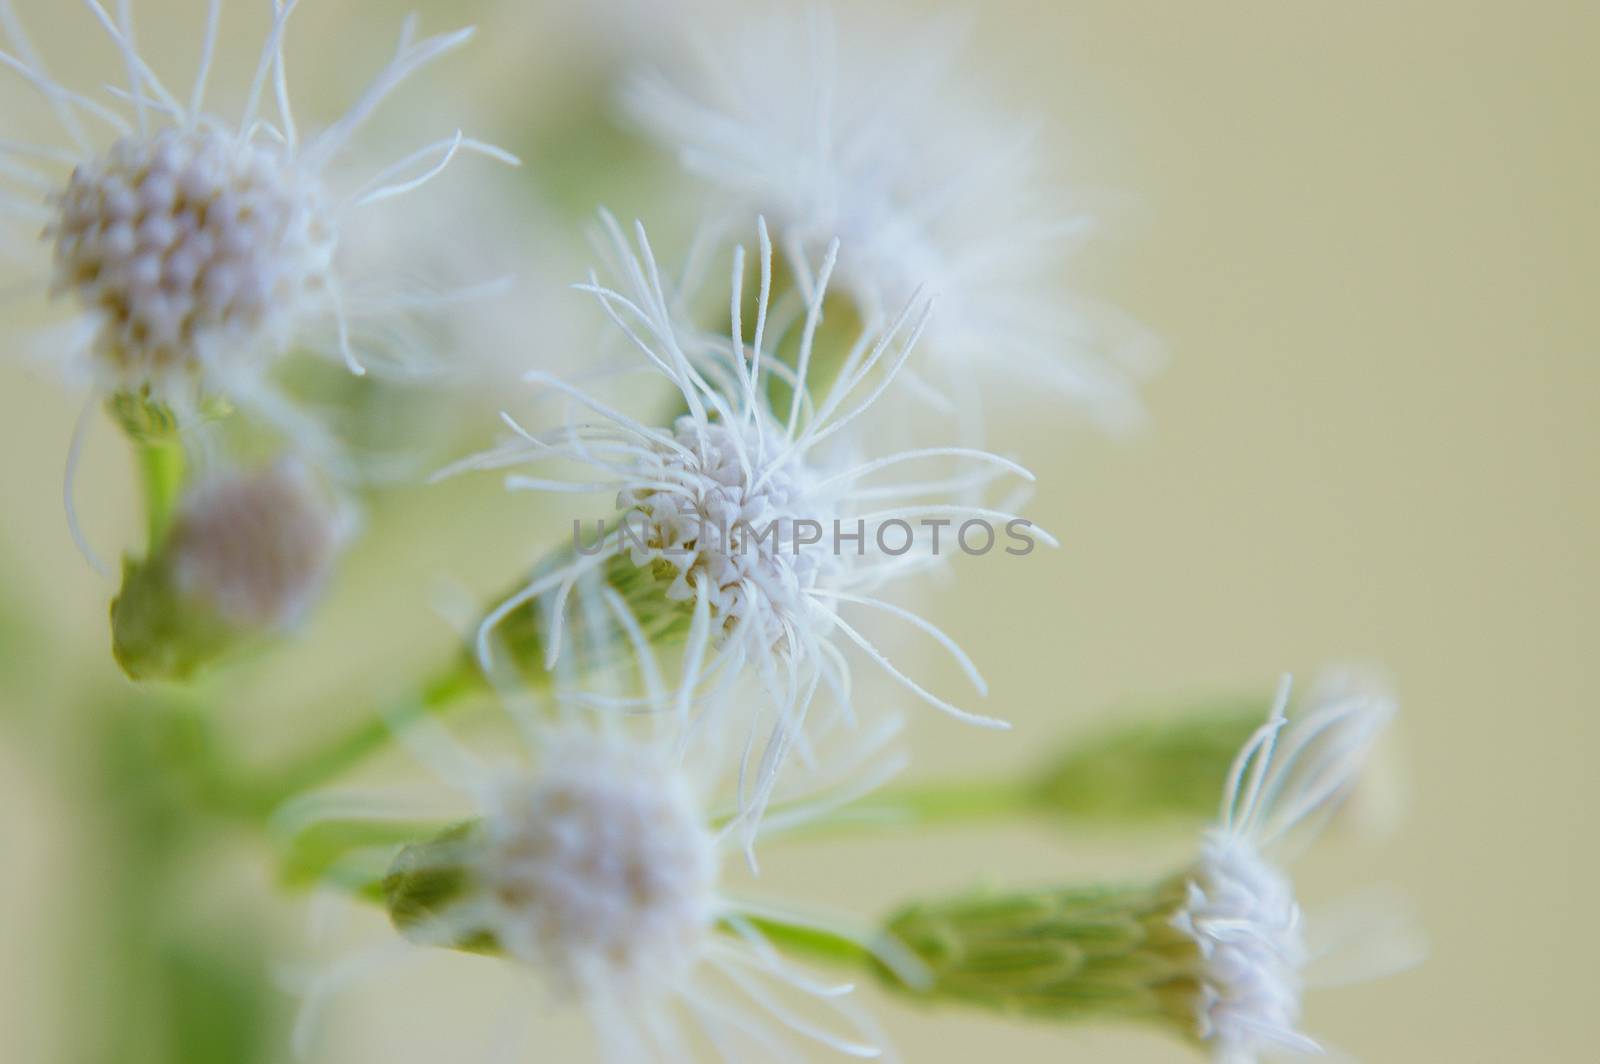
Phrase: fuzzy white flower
pixel 596 866
pixel 1241 910
pixel 765 524
pixel 869 135
pixel 601 861
pixel 257 546
pixel 198 249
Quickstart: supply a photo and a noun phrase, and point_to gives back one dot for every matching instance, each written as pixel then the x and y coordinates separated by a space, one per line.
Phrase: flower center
pixel 186 241
pixel 734 514
pixel 600 866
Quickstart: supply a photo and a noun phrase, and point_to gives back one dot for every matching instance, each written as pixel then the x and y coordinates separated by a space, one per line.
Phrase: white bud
pixel 256 547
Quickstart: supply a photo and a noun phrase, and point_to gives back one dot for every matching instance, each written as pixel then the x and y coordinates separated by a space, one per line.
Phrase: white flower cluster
pixel 927 188
pixel 1242 914
pixel 602 862
pixel 743 464
pixel 198 250
pixel 199 253
pixel 770 420
pixel 189 242
pixel 763 600
pixel 597 861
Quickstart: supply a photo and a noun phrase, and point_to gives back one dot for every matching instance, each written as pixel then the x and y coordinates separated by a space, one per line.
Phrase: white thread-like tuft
pixel 720 517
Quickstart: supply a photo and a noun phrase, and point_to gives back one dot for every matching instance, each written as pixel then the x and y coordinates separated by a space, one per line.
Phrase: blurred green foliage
pixel 181 975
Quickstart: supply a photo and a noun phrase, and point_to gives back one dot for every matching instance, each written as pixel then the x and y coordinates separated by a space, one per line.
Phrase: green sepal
pixel 1075 954
pixel 591 640
pixel 157 632
pixel 145 419
pixel 426 880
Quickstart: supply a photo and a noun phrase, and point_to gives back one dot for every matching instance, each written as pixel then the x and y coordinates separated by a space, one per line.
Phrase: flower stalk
pixel 448 691
pixel 1141 773
pixel 152 429
pixel 162 470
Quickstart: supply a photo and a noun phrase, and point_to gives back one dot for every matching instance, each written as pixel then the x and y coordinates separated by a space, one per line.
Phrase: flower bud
pixel 247 555
pixel 1144 770
pixel 1071 954
pixel 427 879
pixel 1219 953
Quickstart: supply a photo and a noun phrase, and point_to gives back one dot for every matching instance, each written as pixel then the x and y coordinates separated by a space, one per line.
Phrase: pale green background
pixel 1367 234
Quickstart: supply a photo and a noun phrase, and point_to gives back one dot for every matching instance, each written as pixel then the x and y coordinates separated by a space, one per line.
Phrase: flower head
pixel 196 249
pixel 702 513
pixel 249 551
pixel 598 866
pixel 256 546
pixel 873 139
pixel 596 863
pixel 188 246
pixel 1218 954
pixel 758 520
pixel 1240 908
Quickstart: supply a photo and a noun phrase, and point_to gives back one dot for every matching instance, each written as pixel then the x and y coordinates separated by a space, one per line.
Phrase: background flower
pixel 797 115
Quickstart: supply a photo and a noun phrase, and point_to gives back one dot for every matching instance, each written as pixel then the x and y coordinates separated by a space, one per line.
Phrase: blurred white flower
pixel 870 135
pixel 764 523
pixel 593 867
pixel 199 249
pixel 257 546
pixel 1240 908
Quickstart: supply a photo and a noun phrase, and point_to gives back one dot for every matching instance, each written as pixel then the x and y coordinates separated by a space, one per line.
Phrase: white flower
pixel 257 546
pixel 737 505
pixel 872 137
pixel 599 866
pixel 595 864
pixel 196 249
pixel 1241 910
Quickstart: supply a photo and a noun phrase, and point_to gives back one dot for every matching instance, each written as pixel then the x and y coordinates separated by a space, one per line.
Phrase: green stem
pixel 951 802
pixel 1146 772
pixel 521 637
pixel 162 469
pixel 448 691
pixel 938 804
